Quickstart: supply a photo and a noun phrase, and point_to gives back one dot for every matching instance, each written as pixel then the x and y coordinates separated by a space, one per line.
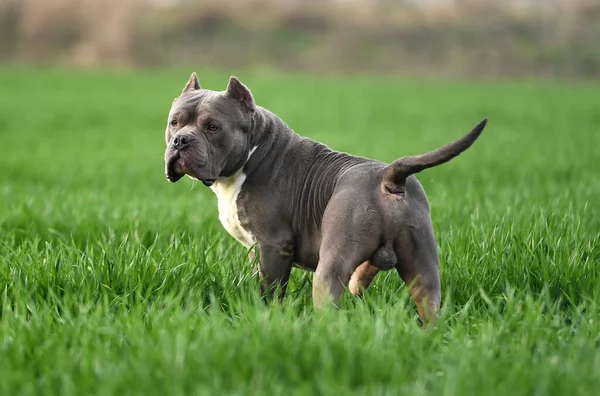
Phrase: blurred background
pixel 488 38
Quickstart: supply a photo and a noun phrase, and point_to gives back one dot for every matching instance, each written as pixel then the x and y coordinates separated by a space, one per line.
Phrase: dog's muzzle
pixel 177 165
pixel 172 173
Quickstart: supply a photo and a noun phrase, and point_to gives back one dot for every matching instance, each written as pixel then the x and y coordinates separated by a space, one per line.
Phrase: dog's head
pixel 208 132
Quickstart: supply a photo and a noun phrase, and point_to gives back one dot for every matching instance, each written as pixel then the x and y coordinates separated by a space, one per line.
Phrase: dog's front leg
pixel 275 265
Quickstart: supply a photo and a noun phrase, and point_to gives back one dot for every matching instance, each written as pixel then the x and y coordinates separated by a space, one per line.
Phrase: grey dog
pixel 302 204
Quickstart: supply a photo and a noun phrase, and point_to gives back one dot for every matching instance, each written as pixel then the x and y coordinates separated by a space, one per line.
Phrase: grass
pixel 113 281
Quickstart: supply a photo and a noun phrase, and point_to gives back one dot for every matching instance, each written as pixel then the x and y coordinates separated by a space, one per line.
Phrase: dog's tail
pixel 395 174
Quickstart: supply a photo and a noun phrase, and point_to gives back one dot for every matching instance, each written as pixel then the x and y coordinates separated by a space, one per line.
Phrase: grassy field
pixel 113 281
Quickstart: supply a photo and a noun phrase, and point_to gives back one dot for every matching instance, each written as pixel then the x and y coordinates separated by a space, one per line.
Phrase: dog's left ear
pixel 241 93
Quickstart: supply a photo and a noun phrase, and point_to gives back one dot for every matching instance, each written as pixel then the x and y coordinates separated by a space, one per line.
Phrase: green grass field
pixel 113 281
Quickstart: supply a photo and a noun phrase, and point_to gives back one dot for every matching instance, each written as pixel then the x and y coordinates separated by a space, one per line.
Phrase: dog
pixel 302 204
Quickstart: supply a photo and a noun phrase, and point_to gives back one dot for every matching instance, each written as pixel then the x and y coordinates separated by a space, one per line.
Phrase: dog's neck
pixel 312 169
pixel 269 135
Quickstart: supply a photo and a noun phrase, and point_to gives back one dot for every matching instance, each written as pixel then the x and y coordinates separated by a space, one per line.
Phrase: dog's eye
pixel 174 123
pixel 212 127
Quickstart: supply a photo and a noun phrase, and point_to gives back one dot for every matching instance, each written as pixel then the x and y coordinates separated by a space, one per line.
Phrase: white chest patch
pixel 228 190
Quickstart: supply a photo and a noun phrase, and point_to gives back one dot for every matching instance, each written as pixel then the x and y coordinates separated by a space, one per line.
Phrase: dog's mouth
pixel 173 174
pixel 177 167
pixel 208 182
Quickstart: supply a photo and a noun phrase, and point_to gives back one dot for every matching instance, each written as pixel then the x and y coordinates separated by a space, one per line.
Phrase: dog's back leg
pixel 362 277
pixel 349 238
pixel 418 267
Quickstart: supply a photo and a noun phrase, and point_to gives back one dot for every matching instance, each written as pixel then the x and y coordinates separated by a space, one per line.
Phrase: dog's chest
pixel 228 190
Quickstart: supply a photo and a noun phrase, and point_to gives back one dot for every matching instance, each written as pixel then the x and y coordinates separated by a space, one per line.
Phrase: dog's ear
pixel 241 93
pixel 193 84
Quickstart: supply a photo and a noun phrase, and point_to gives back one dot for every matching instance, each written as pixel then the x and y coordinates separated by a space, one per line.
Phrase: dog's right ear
pixel 192 85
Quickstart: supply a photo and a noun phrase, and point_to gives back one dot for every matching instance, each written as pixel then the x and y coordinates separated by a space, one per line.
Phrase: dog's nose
pixel 180 141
